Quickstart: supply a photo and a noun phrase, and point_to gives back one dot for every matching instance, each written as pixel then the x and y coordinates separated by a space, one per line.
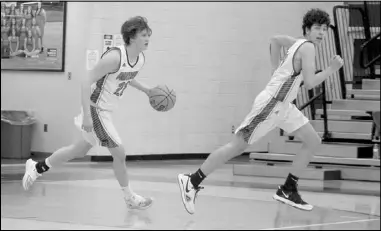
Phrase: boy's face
pixel 141 40
pixel 317 33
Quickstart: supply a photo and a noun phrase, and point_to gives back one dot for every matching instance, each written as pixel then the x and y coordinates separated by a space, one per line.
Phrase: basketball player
pixel 101 91
pixel 273 108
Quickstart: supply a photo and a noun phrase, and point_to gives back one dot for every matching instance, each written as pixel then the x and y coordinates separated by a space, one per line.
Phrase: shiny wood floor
pixel 85 195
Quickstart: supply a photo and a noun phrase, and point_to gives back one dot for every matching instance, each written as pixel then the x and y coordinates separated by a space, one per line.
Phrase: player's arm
pixel 108 64
pixel 308 66
pixel 276 44
pixel 140 86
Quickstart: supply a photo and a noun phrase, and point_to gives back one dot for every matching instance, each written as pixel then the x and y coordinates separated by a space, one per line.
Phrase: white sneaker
pixel 188 192
pixel 138 202
pixel 30 175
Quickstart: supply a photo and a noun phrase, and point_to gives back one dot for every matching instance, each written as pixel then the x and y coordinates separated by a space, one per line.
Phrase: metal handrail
pixel 362 51
pixel 326 134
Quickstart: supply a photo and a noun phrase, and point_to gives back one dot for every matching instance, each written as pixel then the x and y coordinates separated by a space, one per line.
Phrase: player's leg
pixel 78 149
pixel 189 183
pixel 311 142
pixel 257 124
pixel 297 124
pixel 33 169
pixel 109 138
pixel 133 200
pixel 220 156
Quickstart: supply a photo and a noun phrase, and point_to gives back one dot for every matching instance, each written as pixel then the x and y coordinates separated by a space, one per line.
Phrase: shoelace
pixel 297 196
pixel 139 201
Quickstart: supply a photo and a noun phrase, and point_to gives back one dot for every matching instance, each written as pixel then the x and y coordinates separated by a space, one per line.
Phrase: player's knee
pixel 239 142
pixel 82 148
pixel 308 136
pixel 87 146
pixel 118 153
pixel 313 142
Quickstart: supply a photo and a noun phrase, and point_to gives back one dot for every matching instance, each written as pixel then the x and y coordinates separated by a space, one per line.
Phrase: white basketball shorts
pixel 104 133
pixel 268 113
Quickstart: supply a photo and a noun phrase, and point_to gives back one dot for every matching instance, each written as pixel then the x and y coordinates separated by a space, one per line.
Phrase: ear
pixel 308 30
pixel 133 38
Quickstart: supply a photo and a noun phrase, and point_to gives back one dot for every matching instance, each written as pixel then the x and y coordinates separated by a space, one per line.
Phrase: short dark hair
pixel 315 16
pixel 133 26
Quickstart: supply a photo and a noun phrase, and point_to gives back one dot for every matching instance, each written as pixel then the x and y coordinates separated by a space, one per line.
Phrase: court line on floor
pixel 322 224
pixel 70 163
pixel 9 221
pixel 350 217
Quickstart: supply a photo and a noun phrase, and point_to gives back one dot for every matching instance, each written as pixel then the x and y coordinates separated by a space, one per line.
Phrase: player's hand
pixel 87 123
pixel 336 63
pixel 149 92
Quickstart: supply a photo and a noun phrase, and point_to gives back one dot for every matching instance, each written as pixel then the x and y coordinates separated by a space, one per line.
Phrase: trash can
pixel 16 134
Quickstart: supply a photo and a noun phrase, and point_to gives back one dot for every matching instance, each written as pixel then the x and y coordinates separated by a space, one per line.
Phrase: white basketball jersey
pixel 285 82
pixel 107 91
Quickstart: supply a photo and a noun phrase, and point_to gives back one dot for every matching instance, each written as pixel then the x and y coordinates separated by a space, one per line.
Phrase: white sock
pixel 47 162
pixel 128 193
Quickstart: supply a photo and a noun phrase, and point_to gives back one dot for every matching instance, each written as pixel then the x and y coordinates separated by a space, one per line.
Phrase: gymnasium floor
pixel 85 195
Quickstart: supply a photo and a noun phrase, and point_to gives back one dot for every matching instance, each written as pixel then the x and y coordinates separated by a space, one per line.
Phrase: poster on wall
pixel 33 36
pixel 108 42
pixel 92 58
pixel 118 40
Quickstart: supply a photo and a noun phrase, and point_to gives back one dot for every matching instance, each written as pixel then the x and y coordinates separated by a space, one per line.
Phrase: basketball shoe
pixel 188 192
pixel 30 175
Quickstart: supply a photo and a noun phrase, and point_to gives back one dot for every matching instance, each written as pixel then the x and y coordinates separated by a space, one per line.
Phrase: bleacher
pixel 340 109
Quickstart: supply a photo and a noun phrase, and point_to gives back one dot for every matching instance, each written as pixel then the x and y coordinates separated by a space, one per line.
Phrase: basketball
pixel 162 98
